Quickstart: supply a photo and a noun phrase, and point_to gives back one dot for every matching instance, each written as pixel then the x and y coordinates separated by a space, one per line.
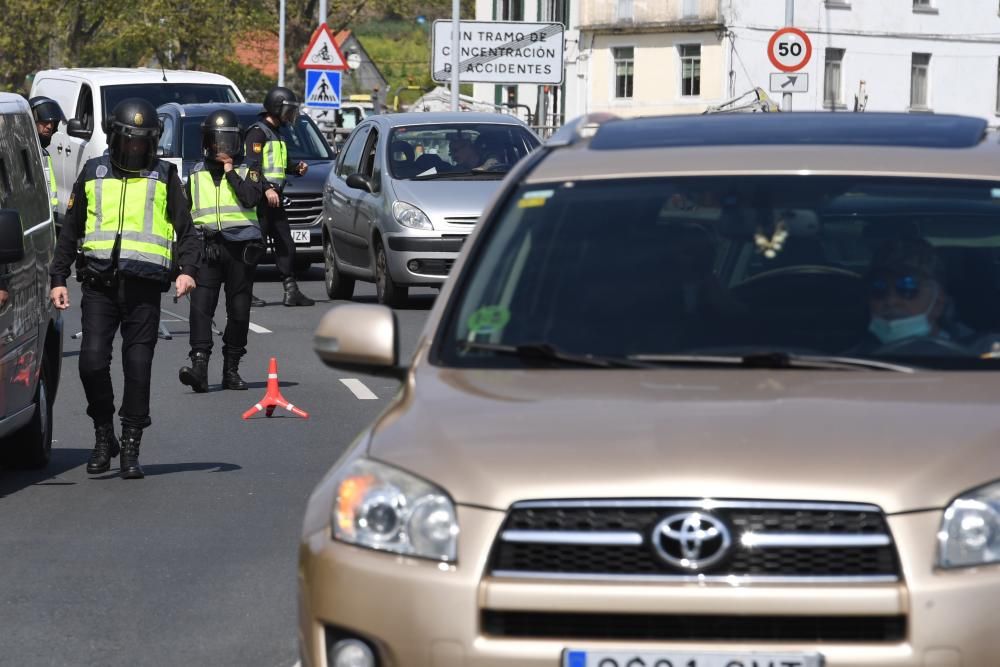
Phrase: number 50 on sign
pixel 789 49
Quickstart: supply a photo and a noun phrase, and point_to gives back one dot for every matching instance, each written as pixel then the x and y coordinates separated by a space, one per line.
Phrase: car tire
pixel 389 292
pixel 338 286
pixel 31 445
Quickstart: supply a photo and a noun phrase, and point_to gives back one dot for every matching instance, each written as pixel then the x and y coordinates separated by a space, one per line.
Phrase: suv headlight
pixel 380 507
pixel 409 215
pixel 970 530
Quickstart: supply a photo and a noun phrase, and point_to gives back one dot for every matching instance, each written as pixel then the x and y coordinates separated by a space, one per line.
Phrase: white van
pixel 88 95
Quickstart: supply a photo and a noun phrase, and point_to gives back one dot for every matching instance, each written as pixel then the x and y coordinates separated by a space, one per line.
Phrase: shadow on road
pixel 414 302
pixel 13 480
pixel 154 469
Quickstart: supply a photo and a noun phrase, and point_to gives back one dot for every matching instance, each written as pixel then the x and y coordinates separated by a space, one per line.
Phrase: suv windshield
pixel 433 151
pixel 678 269
pixel 161 93
pixel 303 140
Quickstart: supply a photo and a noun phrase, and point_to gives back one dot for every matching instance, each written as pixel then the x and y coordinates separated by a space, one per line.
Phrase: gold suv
pixel 713 391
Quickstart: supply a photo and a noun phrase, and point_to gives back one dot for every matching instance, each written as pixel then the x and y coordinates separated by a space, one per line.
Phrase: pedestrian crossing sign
pixel 322 89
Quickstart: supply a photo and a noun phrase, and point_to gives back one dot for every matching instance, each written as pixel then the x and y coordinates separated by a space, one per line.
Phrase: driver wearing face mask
pixel 908 302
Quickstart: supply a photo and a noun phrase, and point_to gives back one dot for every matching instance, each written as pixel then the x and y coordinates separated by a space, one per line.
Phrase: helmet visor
pixel 48 111
pixel 223 140
pixel 132 148
pixel 289 112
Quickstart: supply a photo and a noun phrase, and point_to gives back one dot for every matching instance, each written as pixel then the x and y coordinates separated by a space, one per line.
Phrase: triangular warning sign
pixel 323 52
pixel 324 91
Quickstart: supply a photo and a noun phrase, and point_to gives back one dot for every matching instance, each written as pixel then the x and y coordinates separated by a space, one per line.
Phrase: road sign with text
pixel 500 52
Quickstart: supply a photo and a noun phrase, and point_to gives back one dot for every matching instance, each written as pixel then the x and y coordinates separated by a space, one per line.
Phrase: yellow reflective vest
pixel 137 208
pixel 53 197
pixel 274 158
pixel 217 205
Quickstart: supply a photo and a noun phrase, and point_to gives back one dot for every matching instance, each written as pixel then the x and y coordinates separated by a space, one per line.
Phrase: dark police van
pixel 30 327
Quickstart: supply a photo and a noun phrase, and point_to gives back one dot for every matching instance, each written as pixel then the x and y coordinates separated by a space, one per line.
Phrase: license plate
pixel 300 236
pixel 576 658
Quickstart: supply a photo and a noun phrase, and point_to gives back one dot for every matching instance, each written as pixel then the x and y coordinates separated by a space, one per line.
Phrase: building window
pixel 624 71
pixel 510 10
pixel 625 10
pixel 924 6
pixel 556 11
pixel 920 80
pixel 690 69
pixel 832 78
pixel 689 9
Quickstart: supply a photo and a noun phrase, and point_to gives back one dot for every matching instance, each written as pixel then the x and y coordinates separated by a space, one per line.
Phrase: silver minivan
pixel 406 191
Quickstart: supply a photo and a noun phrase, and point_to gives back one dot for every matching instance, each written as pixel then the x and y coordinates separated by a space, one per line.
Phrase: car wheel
pixel 31 445
pixel 389 293
pixel 338 286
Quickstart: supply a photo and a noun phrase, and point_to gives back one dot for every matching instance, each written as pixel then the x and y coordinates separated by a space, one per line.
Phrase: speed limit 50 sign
pixel 789 49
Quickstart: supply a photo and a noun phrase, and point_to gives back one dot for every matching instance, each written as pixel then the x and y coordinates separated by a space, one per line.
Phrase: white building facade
pixel 645 57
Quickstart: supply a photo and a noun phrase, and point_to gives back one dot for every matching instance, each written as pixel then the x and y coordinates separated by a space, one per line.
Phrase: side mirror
pixel 75 128
pixel 361 338
pixel 11 236
pixel 359 182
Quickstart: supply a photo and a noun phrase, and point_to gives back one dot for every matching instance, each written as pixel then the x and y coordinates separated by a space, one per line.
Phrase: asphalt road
pixel 195 564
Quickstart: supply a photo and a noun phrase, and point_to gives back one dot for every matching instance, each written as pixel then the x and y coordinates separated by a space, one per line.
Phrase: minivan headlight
pixel 381 507
pixel 409 215
pixel 970 529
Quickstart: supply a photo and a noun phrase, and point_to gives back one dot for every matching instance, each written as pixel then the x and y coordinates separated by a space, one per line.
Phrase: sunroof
pixel 770 129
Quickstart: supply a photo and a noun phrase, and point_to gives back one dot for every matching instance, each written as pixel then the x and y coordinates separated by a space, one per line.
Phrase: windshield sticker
pixel 488 320
pixel 534 198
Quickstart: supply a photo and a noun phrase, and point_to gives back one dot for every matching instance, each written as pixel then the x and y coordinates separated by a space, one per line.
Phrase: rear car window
pixel 161 93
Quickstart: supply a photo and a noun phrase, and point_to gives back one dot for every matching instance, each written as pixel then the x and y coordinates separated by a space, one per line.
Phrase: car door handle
pixel 59 148
pixel 67 150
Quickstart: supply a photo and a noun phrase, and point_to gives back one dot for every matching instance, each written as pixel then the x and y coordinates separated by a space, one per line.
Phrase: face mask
pixel 915 326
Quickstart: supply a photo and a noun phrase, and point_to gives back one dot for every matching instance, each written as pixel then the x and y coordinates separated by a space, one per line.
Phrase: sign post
pixel 323 62
pixel 789 50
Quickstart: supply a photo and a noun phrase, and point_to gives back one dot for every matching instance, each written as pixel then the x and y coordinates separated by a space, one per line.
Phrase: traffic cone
pixel 273 398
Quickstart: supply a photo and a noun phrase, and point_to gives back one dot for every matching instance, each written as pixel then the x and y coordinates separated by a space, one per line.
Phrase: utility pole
pixel 456 13
pixel 281 44
pixel 786 98
pixel 322 12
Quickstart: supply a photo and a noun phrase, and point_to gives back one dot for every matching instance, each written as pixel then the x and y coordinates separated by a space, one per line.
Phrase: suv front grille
pixel 626 539
pixel 303 209
pixel 692 627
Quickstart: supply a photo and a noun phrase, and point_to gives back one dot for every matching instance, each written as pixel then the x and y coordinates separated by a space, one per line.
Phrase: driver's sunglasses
pixel 907 287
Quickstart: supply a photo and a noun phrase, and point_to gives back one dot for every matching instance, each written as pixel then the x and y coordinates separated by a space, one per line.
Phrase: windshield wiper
pixel 458 174
pixel 546 353
pixel 773 360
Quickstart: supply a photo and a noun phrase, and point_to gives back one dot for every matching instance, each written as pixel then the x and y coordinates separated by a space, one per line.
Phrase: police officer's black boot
pixel 257 302
pixel 130 468
pixel 231 372
pixel 105 449
pixel 196 375
pixel 293 297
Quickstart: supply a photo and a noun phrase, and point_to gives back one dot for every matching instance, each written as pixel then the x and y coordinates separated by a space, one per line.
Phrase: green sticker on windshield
pixel 488 319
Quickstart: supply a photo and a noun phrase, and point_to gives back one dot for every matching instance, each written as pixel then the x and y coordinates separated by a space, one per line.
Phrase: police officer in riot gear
pixel 47 115
pixel 125 209
pixel 223 209
pixel 268 153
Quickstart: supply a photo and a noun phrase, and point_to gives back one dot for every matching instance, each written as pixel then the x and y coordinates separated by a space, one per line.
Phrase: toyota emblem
pixel 691 541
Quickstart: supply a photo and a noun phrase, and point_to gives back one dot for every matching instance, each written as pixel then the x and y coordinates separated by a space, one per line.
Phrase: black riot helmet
pixel 220 133
pixel 133 131
pixel 281 103
pixel 46 110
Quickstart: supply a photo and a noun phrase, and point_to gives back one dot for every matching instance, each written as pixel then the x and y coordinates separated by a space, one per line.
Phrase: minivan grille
pixel 767 540
pixel 462 220
pixel 304 209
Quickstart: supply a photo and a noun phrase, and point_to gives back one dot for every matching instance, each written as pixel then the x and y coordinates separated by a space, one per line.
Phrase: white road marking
pixel 360 391
pixel 256 328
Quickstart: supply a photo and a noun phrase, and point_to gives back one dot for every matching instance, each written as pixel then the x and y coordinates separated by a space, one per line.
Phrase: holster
pixel 253 252
pixel 97 279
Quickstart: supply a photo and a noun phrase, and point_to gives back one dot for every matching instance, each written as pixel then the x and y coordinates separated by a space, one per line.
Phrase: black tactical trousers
pixel 274 226
pixel 231 271
pixel 134 306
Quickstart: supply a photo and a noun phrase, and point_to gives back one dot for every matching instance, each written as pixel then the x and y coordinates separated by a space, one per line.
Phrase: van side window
pixel 167 136
pixel 4 177
pixel 85 107
pixel 29 171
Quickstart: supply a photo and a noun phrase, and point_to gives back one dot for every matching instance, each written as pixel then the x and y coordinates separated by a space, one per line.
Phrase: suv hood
pixel 439 199
pixel 490 438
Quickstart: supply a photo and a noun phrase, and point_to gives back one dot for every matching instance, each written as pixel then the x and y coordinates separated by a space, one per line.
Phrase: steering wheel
pixel 801 270
pixel 910 346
